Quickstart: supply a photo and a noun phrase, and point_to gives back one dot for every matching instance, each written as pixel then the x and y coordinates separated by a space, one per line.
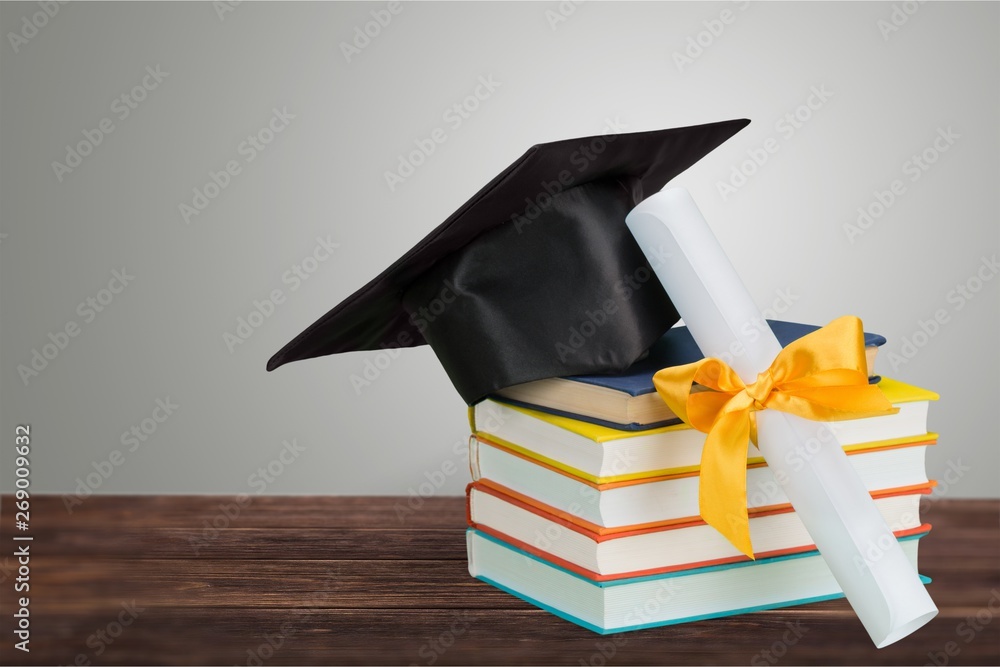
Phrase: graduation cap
pixel 536 276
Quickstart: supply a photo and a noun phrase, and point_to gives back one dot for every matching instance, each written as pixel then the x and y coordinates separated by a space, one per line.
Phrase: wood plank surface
pixel 211 580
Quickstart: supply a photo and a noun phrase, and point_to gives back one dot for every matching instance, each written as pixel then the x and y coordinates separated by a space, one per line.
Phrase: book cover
pixel 674 348
pixel 598 453
pixel 670 498
pixel 692 595
pixel 677 347
pixel 558 523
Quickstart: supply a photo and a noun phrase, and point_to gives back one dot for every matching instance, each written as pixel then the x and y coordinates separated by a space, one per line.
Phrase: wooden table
pixel 328 580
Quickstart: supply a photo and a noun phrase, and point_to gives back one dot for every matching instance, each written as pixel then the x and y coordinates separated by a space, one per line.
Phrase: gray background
pixel 163 335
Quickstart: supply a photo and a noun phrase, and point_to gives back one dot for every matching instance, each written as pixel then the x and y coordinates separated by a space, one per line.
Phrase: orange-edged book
pixel 612 555
pixel 672 498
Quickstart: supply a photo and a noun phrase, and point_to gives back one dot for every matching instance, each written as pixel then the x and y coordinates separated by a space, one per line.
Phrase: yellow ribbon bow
pixel 821 376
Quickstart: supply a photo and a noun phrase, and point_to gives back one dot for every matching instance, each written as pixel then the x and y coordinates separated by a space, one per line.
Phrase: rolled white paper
pixel 824 489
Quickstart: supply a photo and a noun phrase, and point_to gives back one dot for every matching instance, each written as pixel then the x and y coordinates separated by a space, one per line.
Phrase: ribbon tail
pixel 722 489
pixel 674 387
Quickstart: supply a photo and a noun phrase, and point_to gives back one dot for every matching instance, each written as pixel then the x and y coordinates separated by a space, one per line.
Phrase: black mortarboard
pixel 536 276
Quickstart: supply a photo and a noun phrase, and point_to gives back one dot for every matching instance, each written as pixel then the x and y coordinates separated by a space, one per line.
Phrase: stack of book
pixel 585 499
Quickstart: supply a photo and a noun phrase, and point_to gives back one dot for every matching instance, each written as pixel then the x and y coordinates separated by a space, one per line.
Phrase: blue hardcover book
pixel 608 607
pixel 628 401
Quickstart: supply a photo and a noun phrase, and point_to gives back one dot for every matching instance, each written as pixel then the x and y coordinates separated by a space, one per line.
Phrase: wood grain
pixel 337 580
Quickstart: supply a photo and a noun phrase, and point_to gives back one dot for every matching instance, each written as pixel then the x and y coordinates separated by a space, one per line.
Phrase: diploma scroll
pixel 824 489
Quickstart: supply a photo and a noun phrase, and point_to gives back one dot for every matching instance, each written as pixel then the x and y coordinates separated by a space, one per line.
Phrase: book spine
pixel 474 458
pixel 471 551
pixel 469 508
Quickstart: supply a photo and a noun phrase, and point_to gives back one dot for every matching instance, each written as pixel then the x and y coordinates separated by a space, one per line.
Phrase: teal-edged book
pixel 664 599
